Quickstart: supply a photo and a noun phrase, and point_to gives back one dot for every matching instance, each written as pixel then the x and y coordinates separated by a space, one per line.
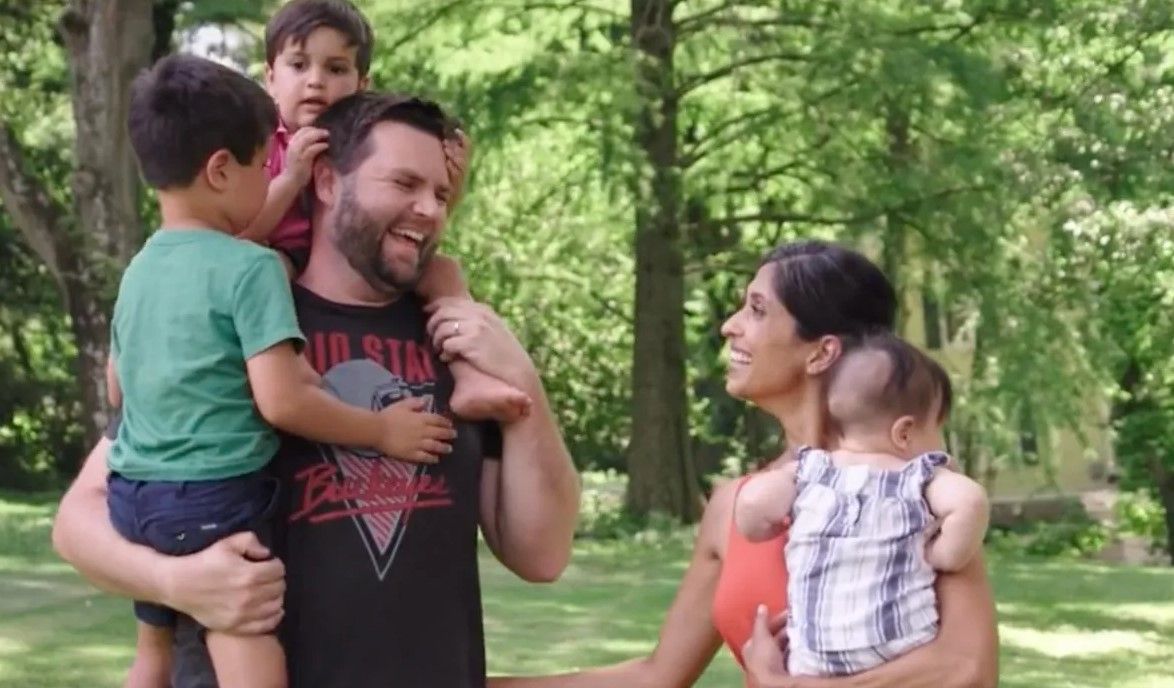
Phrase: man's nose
pixel 426 205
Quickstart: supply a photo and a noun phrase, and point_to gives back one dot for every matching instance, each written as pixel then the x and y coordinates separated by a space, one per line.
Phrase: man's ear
pixel 218 170
pixel 902 432
pixel 364 82
pixel 826 352
pixel 325 180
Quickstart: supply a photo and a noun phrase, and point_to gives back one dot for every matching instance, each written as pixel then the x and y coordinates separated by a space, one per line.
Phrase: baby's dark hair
pixel 186 108
pixel 297 19
pixel 864 390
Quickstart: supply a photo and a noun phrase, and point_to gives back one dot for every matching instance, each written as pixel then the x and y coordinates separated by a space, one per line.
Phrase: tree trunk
pixel 660 470
pixel 108 43
pixel 1166 494
pixel 894 253
pixel 1164 487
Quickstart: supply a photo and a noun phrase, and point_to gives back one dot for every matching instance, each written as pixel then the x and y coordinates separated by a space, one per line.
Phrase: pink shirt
pixel 293 229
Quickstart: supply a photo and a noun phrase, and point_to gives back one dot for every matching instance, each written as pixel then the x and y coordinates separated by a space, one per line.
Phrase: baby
pixel 870 521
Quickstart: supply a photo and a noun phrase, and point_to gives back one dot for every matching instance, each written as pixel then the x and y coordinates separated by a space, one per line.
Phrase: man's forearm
pixel 538 500
pixel 84 537
pixel 910 671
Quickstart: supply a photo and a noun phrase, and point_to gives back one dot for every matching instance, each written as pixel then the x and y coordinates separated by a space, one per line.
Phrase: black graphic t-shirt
pixel 380 555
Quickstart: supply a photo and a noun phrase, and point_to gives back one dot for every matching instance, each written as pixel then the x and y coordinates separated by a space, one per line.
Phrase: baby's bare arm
pixel 961 505
pixel 765 502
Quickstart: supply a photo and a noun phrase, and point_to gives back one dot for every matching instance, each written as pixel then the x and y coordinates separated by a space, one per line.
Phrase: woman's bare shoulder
pixel 715 522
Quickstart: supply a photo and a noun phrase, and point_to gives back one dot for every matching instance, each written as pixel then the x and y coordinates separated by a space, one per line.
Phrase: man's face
pixel 390 211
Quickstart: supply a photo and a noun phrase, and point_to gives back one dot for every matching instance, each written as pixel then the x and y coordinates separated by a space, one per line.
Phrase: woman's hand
pixel 763 653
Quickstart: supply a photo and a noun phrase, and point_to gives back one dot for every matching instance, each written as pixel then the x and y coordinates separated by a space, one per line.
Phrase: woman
pixel 804 301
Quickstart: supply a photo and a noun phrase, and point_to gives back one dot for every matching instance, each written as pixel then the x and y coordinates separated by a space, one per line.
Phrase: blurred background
pixel 1007 162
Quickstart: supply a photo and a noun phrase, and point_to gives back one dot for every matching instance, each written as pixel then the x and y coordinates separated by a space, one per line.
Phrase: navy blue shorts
pixel 178 518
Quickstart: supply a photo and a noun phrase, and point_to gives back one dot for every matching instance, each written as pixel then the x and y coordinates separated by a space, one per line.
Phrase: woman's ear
pixel 826 352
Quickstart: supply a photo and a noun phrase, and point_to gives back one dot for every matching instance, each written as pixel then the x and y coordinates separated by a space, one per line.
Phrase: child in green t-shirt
pixel 205 350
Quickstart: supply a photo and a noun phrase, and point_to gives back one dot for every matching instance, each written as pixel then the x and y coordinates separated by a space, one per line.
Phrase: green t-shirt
pixel 193 306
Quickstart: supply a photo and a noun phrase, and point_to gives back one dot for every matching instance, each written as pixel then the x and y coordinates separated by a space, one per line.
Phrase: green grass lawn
pixel 1063 624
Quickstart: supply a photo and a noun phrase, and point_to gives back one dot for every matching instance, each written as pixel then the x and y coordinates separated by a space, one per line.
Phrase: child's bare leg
pixel 247 661
pixel 480 396
pixel 152 665
pixel 476 395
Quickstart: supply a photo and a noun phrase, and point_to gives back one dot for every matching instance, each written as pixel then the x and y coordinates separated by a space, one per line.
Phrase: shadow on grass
pixel 1083 624
pixel 1062 623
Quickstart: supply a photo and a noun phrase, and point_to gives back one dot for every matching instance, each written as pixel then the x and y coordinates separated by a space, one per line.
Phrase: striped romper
pixel 860 591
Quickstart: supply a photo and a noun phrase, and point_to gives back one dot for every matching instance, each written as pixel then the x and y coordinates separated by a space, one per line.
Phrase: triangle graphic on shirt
pixel 380 519
pixel 381 492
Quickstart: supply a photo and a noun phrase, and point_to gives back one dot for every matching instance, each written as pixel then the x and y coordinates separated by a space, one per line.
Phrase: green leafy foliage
pixel 1007 162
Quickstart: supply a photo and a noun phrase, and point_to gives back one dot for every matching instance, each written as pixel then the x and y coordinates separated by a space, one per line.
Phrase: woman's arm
pixel 688 639
pixel 964 654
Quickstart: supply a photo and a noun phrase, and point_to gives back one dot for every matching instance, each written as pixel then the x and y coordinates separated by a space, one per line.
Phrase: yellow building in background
pixel 1065 462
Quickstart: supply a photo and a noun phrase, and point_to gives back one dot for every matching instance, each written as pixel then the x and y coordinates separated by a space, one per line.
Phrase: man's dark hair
pixel 297 19
pixel 916 384
pixel 350 120
pixel 186 108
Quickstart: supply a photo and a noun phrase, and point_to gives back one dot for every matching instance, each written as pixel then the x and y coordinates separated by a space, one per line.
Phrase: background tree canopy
pixel 1007 162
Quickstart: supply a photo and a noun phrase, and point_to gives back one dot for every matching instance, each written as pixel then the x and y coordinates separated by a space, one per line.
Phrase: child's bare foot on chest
pixel 478 396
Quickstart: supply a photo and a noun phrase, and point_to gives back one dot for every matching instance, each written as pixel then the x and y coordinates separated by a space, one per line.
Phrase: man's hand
pixel 304 148
pixel 231 586
pixel 763 655
pixel 472 331
pixel 413 434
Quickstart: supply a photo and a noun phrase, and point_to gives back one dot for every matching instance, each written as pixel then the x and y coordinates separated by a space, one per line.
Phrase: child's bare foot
pixel 478 396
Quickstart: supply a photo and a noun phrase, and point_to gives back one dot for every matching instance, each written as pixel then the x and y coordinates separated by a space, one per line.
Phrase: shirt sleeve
pixel 491 442
pixel 263 309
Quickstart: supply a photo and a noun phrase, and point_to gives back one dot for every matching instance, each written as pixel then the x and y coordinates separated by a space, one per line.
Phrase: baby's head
pixel 886 395
pixel 316 52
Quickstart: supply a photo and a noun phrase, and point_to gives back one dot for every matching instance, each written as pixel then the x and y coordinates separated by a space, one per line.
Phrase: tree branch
pixel 871 214
pixel 707 143
pixel 696 82
pixel 32 211
pixel 420 24
pixel 710 19
pixel 749 181
pixel 527 5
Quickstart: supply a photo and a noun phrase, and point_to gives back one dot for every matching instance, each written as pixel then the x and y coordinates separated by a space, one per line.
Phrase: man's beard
pixel 359 238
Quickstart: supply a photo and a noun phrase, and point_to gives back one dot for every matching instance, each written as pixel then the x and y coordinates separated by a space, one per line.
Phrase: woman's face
pixel 767 358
